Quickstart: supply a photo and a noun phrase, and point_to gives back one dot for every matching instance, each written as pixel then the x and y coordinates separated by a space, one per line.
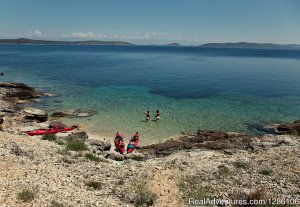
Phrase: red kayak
pixel 53 130
pixel 134 141
pixel 119 143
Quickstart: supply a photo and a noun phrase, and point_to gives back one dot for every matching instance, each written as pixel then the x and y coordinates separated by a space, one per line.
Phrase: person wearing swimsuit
pixel 157 115
pixel 148 116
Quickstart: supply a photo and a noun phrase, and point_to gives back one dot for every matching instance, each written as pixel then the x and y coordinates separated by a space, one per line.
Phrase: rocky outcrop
pixel 206 139
pixel 98 145
pixel 12 94
pixel 115 156
pixel 212 135
pixel 59 114
pixel 18 91
pixel 291 128
pixel 264 128
pixel 82 135
pixel 79 113
pixel 35 114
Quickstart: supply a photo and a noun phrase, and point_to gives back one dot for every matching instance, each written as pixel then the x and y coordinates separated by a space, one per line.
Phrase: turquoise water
pixel 195 88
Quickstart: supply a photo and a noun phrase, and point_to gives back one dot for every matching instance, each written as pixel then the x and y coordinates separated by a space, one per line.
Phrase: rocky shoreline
pixel 204 164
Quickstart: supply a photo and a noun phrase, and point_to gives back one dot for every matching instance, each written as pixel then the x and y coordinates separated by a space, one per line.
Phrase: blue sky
pixel 153 21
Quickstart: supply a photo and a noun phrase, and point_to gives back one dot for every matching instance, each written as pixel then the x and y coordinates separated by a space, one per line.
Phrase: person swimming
pixel 157 115
pixel 148 115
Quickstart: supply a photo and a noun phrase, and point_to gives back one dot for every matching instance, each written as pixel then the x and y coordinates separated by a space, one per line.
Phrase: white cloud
pixel 80 35
pixel 133 36
pixel 31 34
pixel 154 36
pixel 36 33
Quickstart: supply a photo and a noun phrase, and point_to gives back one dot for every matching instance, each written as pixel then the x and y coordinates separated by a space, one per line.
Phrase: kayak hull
pixel 133 144
pixel 118 140
pixel 49 131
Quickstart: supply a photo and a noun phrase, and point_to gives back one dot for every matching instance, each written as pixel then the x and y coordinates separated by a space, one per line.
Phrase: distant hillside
pixel 250 45
pixel 50 42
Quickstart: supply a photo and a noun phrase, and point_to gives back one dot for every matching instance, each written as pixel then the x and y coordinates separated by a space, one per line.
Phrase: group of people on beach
pixel 148 115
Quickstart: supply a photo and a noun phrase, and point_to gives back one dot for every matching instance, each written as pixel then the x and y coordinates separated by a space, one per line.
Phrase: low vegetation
pixel 26 195
pixel 144 196
pixel 266 172
pixel 258 197
pixel 60 143
pixel 222 172
pixel 64 152
pixel 75 145
pixel 94 185
pixel 56 204
pixel 121 182
pixel 241 164
pixel 92 157
pixel 136 158
pixel 191 187
pixel 49 137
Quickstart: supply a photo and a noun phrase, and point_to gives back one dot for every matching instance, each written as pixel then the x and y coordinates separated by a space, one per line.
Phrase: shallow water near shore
pixel 195 88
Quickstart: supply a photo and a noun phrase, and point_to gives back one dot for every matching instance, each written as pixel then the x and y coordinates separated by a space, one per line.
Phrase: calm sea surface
pixel 195 88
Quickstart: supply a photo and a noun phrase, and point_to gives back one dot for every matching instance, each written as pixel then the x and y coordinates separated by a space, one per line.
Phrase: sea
pixel 193 87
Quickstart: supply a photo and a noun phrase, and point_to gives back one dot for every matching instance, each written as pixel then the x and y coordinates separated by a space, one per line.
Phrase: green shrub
pixel 92 157
pixel 121 182
pixel 267 172
pixel 94 185
pixel 114 190
pixel 240 164
pixel 75 145
pixel 60 143
pixel 26 195
pixel 222 170
pixel 136 158
pixel 145 197
pixel 49 137
pixel 56 204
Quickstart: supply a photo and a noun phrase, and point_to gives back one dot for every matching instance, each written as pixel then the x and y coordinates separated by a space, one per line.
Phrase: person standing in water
pixel 148 116
pixel 157 115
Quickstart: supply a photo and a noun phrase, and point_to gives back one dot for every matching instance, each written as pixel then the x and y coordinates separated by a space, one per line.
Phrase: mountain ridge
pixel 250 45
pixel 61 42
pixel 246 45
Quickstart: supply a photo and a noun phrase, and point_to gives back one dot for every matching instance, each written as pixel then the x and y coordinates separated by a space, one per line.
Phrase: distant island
pixel 99 42
pixel 250 45
pixel 175 44
pixel 53 42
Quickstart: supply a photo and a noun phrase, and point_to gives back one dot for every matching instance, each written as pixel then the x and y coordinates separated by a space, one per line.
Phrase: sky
pixel 189 22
